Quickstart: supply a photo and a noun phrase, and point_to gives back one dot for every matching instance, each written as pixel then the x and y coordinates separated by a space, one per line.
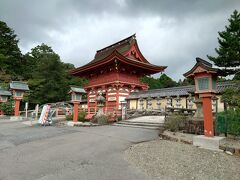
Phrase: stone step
pixel 135 126
pixel 141 124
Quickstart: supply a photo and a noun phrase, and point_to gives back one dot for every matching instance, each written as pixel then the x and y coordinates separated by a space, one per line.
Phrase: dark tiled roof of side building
pixel 175 91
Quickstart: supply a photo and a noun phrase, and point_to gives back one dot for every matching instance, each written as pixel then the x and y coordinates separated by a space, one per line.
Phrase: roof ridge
pixel 117 43
pixel 200 60
pixel 175 87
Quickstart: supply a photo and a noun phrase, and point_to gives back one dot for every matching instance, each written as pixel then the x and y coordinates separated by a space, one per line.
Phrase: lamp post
pixel 76 98
pixel 205 77
pixel 18 89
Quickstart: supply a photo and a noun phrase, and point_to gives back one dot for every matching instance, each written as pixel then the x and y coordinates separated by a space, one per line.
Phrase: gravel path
pixel 172 160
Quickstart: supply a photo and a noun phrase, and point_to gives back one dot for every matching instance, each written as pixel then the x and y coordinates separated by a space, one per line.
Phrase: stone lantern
pixel 100 103
pixel 149 102
pixel 76 98
pixel 215 104
pixel 178 101
pixel 190 101
pixel 158 102
pixel 18 89
pixel 169 101
pixel 205 77
pixel 124 109
pixel 141 103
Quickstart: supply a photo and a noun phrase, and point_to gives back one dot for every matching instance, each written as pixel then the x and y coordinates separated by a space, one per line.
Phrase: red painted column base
pixel 75 111
pixel 208 116
pixel 17 106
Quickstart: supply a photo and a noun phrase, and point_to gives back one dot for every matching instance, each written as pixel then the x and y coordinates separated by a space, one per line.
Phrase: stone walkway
pixel 53 152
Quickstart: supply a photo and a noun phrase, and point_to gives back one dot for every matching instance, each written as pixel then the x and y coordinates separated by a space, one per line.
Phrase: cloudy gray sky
pixel 169 32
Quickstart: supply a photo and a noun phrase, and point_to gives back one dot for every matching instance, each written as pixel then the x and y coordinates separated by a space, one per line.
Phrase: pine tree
pixel 10 54
pixel 228 53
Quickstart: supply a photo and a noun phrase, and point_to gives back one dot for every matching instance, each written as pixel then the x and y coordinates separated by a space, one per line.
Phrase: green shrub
pixel 7 107
pixel 81 116
pixel 119 118
pixel 228 122
pixel 175 122
pixel 101 120
pixel 94 119
pixel 69 117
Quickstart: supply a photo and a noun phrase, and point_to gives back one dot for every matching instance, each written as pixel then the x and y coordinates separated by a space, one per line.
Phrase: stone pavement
pixel 68 152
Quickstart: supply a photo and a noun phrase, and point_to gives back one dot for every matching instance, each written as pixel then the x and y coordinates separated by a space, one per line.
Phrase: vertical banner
pixel 44 114
pixel 26 109
pixel 36 111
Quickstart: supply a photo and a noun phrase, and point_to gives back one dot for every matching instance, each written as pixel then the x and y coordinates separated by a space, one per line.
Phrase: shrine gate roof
pixel 4 92
pixel 127 50
pixel 77 89
pixel 19 85
pixel 205 66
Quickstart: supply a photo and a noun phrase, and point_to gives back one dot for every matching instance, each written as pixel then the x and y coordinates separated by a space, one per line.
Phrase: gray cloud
pixel 169 32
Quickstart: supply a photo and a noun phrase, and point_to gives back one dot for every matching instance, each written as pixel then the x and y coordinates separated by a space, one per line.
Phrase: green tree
pixel 49 77
pixel 7 107
pixel 10 54
pixel 163 81
pixel 152 82
pixel 186 82
pixel 166 81
pixel 228 53
pixel 231 97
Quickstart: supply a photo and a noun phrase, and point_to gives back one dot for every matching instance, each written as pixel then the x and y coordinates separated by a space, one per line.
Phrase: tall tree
pixel 152 82
pixel 163 81
pixel 228 53
pixel 10 54
pixel 185 82
pixel 166 81
pixel 49 78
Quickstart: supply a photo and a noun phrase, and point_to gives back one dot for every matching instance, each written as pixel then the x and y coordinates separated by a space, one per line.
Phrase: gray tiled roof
pixel 19 85
pixel 5 93
pixel 175 91
pixel 77 89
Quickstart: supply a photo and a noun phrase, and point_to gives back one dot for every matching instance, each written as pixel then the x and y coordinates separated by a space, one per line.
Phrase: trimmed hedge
pixel 81 116
pixel 175 122
pixel 228 122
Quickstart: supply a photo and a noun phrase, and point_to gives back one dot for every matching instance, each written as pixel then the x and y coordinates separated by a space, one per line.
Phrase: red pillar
pixel 75 111
pixel 17 106
pixel 208 116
